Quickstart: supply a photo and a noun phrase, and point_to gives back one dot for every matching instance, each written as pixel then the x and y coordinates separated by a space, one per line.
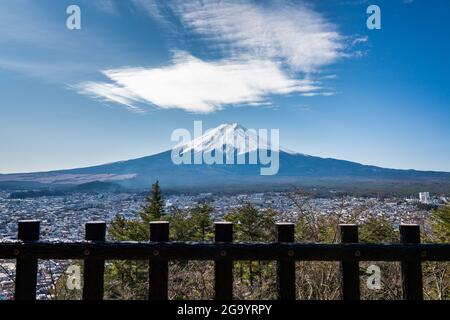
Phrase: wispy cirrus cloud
pixel 292 33
pixel 106 6
pixel 260 49
pixel 152 7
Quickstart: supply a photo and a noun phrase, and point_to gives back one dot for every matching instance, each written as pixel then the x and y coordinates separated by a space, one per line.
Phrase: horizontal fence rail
pixel 159 250
pixel 234 251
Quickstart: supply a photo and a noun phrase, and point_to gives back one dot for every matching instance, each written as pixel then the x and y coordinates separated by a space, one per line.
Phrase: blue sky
pixel 138 69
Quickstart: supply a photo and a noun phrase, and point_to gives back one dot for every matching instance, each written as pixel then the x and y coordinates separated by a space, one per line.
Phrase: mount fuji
pixel 295 169
pixel 231 137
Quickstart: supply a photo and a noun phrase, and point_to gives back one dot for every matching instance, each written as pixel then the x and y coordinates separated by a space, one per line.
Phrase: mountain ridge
pixel 294 168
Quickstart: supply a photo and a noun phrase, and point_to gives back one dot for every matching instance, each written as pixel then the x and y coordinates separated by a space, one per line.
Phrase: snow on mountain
pixel 232 137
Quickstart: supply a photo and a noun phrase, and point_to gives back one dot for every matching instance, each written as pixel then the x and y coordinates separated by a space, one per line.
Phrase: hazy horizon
pixel 162 151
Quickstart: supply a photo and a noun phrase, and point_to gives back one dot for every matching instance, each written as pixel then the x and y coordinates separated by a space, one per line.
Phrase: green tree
pixel 127 279
pixel 181 227
pixel 251 224
pixel 137 229
pixel 202 222
pixel 378 230
pixel 440 224
pixel 436 274
pixel 153 209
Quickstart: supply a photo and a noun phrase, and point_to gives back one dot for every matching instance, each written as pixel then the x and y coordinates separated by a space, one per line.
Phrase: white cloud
pixel 360 40
pixel 315 94
pixel 152 7
pixel 266 49
pixel 291 33
pixel 107 6
pixel 109 92
pixel 330 77
pixel 195 85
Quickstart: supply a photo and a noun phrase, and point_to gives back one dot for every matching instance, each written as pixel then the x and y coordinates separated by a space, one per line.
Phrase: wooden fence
pixel 159 250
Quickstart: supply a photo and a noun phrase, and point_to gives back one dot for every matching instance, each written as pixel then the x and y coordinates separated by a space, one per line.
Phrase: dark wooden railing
pixel 95 250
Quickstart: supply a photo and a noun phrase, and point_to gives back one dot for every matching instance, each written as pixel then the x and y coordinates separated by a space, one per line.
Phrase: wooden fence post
pixel 286 266
pixel 350 269
pixel 223 268
pixel 26 267
pixel 411 270
pixel 94 268
pixel 158 270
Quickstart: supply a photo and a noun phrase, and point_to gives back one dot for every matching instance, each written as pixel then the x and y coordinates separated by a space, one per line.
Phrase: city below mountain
pixel 295 170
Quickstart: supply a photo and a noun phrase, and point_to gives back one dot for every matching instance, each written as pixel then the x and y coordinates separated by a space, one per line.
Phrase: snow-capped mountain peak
pixel 232 137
